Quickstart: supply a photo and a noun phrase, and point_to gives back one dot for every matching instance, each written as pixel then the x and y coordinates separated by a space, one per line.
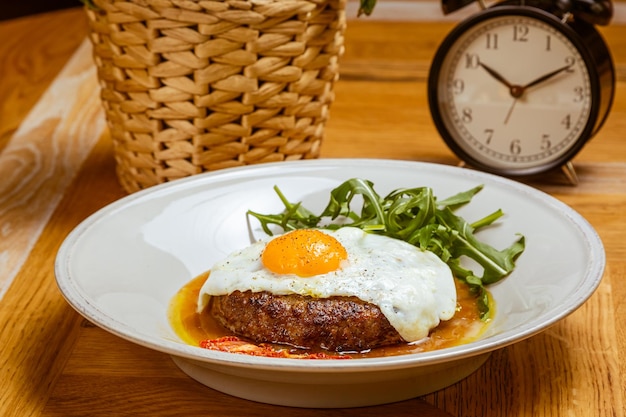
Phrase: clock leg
pixel 570 172
pixel 567 170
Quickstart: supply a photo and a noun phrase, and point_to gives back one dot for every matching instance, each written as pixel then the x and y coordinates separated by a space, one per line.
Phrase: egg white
pixel 413 288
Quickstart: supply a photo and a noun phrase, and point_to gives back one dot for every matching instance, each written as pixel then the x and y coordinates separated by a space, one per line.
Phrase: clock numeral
pixel 458 86
pixel 520 33
pixel 548 43
pixel 515 147
pixel 466 115
pixel 579 94
pixel 492 41
pixel 488 136
pixel 545 142
pixel 472 61
pixel 567 122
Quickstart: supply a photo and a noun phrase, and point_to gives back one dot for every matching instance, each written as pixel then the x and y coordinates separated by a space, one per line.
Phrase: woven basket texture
pixel 194 86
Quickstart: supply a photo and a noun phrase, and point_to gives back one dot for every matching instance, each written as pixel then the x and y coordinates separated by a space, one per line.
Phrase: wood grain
pixel 39 338
pixel 33 51
pixel 44 155
pixel 37 163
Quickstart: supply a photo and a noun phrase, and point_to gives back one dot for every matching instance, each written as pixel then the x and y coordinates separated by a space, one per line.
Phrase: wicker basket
pixel 197 85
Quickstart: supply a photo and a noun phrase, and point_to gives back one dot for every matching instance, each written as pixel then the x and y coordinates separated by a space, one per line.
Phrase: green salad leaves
pixel 415 216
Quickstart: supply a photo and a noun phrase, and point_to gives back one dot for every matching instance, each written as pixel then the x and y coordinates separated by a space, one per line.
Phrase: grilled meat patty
pixel 335 323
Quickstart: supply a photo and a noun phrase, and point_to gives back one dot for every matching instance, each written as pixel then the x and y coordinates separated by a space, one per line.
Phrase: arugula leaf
pixel 415 216
pixel 341 197
pixel 461 198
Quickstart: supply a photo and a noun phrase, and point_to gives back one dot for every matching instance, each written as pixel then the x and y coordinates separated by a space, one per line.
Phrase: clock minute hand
pixel 545 77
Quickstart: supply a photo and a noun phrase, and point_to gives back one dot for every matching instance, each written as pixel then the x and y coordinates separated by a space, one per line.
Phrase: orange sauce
pixel 466 325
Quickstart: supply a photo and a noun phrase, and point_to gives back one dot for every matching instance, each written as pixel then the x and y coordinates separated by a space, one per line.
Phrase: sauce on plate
pixel 195 328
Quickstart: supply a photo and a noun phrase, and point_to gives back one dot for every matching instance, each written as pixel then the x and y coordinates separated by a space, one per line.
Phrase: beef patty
pixel 335 323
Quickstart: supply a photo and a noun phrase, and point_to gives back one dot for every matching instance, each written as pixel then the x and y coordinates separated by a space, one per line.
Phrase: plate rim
pixel 71 293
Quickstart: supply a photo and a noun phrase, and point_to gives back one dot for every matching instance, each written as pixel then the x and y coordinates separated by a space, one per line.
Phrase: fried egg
pixel 413 288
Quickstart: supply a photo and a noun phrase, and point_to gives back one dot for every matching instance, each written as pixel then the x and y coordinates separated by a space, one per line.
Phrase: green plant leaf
pixel 366 7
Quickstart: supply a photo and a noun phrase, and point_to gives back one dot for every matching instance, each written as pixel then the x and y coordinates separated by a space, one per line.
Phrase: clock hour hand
pixel 515 90
pixel 545 77
pixel 495 74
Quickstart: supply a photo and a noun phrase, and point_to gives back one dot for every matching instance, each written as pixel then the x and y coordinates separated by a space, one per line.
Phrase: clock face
pixel 514 93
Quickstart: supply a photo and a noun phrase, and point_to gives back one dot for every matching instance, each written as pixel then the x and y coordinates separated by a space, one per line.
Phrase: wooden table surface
pixel 56 168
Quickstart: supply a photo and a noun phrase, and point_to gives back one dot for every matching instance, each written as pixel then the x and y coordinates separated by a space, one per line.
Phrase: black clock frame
pixel 585 38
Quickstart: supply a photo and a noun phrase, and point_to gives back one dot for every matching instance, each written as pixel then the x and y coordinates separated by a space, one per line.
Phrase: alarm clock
pixel 520 87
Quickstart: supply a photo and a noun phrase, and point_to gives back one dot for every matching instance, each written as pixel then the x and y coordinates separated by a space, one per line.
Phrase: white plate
pixel 121 266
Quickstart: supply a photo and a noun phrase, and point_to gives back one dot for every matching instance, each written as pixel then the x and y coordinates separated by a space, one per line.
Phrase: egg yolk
pixel 304 252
